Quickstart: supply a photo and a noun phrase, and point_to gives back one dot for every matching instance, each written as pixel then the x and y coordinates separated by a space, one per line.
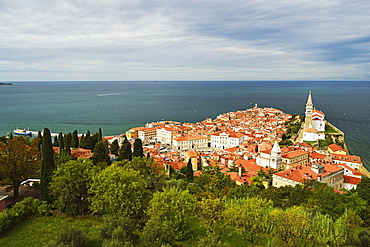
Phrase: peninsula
pixel 244 142
pixel 5 83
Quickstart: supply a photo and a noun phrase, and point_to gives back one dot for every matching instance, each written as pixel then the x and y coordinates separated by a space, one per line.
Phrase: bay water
pixel 117 106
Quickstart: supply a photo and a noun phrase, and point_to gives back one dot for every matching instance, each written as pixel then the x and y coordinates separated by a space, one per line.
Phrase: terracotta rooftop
pixel 335 147
pixel 303 172
pixel 294 154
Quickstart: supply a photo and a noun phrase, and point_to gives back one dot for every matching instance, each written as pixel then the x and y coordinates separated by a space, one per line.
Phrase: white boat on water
pixel 24 132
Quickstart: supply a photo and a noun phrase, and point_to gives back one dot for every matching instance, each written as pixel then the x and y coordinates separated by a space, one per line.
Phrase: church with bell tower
pixel 314 123
pixel 308 112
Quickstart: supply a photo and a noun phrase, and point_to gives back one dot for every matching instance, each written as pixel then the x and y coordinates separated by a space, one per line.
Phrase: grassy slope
pixel 37 231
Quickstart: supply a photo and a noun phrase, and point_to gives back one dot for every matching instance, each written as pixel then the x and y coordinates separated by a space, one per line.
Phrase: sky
pixel 43 40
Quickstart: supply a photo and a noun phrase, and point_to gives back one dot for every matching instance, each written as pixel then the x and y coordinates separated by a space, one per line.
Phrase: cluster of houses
pixel 245 143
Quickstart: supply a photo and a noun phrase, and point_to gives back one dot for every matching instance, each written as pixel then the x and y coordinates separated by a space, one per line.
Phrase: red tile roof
pixel 351 180
pixel 335 147
pixel 303 172
pixel 294 154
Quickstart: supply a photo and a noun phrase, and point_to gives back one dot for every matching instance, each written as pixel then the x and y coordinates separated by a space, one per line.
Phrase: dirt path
pixel 24 191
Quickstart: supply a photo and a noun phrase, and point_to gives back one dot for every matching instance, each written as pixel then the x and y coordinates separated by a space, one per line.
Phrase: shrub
pixel 22 210
pixel 157 233
pixel 364 238
pixel 117 227
pixel 69 236
pixel 211 240
pixel 116 243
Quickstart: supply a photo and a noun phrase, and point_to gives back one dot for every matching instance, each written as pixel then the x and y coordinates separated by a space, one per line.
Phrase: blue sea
pixel 117 106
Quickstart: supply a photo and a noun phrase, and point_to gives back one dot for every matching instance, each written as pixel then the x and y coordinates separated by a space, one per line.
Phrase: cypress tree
pixel 94 140
pixel 67 143
pixel 100 135
pixel 88 141
pixel 101 154
pixel 138 148
pixel 74 142
pixel 55 143
pixel 189 171
pixel 114 147
pixel 60 141
pixel 47 166
pixel 125 151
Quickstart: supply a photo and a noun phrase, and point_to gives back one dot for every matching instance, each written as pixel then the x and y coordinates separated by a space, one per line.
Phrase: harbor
pixel 27 132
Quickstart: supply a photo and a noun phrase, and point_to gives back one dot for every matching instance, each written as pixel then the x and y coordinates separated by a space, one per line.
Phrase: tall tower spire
pixel 308 113
pixel 275 156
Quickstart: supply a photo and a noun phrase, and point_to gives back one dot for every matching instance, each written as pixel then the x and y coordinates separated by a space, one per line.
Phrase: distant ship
pixel 24 132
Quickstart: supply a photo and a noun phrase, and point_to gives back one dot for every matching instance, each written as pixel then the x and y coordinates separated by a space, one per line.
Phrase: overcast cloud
pixel 184 40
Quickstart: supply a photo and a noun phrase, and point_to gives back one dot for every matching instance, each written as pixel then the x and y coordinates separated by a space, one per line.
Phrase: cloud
pixel 129 40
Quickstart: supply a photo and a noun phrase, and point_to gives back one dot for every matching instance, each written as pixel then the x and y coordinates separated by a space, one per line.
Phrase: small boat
pixel 24 132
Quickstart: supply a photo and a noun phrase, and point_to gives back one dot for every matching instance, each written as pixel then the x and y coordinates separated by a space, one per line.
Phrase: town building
pixel 165 134
pixel 294 158
pixel 336 149
pixel 193 142
pixel 224 140
pixel 147 134
pixel 323 172
pixel 270 158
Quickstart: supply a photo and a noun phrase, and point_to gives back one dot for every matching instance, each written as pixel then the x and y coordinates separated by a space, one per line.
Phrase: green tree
pixel 116 190
pixel 100 135
pixel 83 141
pixel 74 141
pixel 55 143
pixel 87 143
pixel 69 185
pixel 18 161
pixel 61 141
pixel 158 232
pixel 61 158
pixel 101 154
pixel 189 171
pixel 210 210
pixel 125 151
pixel 138 148
pixel 118 228
pixel 114 147
pixel 352 222
pixel 249 216
pixel 363 189
pixel 67 142
pixel 214 181
pixel 153 174
pixel 94 140
pixel 322 229
pixel 324 199
pixel 175 205
pixel 47 166
pixel 290 226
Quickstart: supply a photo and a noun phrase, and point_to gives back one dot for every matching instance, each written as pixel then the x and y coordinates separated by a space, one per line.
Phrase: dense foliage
pixel 140 205
pixel 20 211
pixel 19 160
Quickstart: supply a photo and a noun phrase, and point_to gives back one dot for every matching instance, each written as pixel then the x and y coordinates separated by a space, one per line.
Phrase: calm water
pixel 118 106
